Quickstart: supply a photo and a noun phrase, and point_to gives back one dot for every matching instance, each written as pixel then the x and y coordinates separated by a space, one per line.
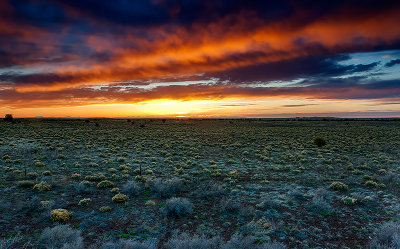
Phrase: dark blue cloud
pixel 182 12
pixel 187 12
pixel 39 13
pixel 35 78
pixel 386 84
pixel 353 87
pixel 310 66
pixel 392 63
pixel 138 12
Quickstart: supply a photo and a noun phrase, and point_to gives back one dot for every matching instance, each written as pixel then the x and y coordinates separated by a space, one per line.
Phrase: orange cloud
pixel 229 43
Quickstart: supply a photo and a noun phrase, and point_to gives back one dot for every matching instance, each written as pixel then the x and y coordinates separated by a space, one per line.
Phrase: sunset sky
pixel 199 58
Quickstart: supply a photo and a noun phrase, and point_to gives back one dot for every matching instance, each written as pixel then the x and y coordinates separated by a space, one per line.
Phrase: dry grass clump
pixel 76 176
pixel 46 204
pixel 61 236
pixel 386 237
pixel 42 186
pixel 150 203
pixel 167 188
pixel 85 202
pixel 114 190
pixel 229 205
pixel 184 241
pixel 105 184
pixel 96 177
pixel 349 200
pixel 6 157
pixel 119 198
pixel 339 186
pixel 374 184
pixel 10 243
pixel 39 164
pixel 105 209
pixel 210 191
pixel 60 215
pixel 132 188
pixel 126 244
pixel 47 173
pixel 32 175
pixel 177 207
pixel 124 167
pixel 8 169
pixel 112 170
pixel 85 182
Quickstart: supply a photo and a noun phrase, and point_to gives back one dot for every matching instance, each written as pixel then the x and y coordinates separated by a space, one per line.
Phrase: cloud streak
pixel 393 63
pixel 334 90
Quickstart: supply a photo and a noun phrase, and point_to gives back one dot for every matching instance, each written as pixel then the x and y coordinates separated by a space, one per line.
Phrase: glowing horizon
pixel 226 108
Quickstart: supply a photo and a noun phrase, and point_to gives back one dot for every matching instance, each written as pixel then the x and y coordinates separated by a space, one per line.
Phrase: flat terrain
pixel 260 178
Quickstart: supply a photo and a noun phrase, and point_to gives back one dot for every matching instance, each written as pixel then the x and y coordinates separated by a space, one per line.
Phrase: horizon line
pixel 215 117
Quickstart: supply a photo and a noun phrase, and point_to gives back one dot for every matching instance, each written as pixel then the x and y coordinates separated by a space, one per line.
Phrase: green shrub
pixel 357 172
pixel 96 177
pixel 8 118
pixel 382 172
pixel 42 186
pixel 367 177
pixel 338 186
pixel 8 169
pixel 32 175
pixel 85 202
pixel 381 185
pixel 76 176
pixel 363 167
pixel 348 200
pixel 87 183
pixel 47 173
pixel 141 178
pixel 319 141
pixel 114 190
pixel 45 204
pixel 112 170
pixel 104 209
pixel 120 198
pixel 25 184
pixel 124 167
pixel 371 183
pixel 39 164
pixel 105 184
pixel 150 203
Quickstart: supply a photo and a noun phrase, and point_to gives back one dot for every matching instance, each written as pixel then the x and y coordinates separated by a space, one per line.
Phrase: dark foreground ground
pixel 218 183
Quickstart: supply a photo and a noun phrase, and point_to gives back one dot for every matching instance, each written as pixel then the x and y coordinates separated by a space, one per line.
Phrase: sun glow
pixel 228 107
pixel 167 107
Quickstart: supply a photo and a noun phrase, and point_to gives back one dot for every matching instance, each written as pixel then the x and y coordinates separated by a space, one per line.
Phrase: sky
pixel 199 58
